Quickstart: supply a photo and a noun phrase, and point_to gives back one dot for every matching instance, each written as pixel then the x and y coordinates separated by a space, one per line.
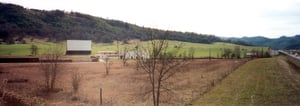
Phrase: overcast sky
pixel 225 18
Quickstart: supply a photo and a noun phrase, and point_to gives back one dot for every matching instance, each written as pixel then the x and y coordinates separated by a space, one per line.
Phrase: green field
pixel 25 49
pixel 201 50
pixel 268 82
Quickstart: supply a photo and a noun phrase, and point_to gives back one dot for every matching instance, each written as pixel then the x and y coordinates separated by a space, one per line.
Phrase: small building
pixel 79 47
pixel 251 55
pixel 135 54
pixel 107 54
pixel 273 52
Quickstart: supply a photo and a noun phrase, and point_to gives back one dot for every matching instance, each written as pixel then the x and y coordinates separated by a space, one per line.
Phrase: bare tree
pixel 226 53
pixel 161 65
pixel 237 52
pixel 209 54
pixel 50 66
pixel 117 42
pixel 107 63
pixel 191 52
pixel 3 91
pixel 76 79
pixel 124 56
pixel 34 50
pixel 262 53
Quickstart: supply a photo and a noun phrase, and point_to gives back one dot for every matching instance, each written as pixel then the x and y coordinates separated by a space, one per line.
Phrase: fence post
pixel 100 94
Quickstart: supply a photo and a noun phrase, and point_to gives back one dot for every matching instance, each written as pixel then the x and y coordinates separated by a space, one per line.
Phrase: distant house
pixel 273 52
pixel 79 47
pixel 135 54
pixel 251 55
pixel 107 54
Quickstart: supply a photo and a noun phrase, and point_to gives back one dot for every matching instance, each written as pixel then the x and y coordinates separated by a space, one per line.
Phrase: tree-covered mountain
pixel 278 43
pixel 18 22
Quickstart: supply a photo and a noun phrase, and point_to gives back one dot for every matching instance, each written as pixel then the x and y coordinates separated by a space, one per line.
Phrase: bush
pixel 76 79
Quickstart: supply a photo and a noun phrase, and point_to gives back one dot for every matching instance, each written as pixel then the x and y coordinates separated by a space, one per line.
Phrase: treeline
pixel 237 52
pixel 18 22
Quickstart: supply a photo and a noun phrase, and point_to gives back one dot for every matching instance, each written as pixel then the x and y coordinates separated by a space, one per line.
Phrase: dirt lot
pixel 124 86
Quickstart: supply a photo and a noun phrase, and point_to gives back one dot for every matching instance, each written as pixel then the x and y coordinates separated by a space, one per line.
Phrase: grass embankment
pixel 201 50
pixel 271 82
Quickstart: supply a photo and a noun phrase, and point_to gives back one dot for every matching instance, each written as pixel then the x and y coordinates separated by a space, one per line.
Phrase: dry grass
pixel 261 82
pixel 124 86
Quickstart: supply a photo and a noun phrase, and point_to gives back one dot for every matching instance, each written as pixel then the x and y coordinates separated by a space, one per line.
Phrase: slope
pixel 270 82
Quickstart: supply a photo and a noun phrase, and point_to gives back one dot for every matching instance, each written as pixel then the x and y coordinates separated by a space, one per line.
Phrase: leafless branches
pixel 76 79
pixel 3 91
pixel 107 63
pixel 34 50
pixel 50 66
pixel 125 56
pixel 162 64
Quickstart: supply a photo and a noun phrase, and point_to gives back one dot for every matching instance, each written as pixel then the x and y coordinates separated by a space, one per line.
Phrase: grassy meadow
pixel 25 49
pixel 267 82
pixel 201 50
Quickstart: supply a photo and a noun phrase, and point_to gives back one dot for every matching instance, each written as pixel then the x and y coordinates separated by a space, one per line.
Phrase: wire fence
pixel 291 57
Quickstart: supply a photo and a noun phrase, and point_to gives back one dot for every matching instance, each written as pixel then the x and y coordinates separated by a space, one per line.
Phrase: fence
pixel 292 58
pixel 18 59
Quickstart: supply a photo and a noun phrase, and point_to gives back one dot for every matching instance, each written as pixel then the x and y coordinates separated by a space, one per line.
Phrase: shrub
pixel 76 79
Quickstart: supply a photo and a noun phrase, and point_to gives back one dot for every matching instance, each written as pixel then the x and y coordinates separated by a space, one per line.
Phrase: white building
pixel 274 52
pixel 107 54
pixel 135 54
pixel 79 47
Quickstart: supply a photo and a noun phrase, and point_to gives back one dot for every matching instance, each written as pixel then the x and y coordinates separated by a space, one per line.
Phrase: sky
pixel 224 18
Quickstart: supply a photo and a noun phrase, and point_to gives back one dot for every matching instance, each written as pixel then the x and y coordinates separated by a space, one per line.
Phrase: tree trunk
pixel 158 92
pixel 54 73
pixel 153 89
pixel 53 81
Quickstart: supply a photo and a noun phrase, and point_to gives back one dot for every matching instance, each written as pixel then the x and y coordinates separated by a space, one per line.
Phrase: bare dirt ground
pixel 124 86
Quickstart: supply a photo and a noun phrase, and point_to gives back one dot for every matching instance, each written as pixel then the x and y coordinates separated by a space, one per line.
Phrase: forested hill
pixel 18 22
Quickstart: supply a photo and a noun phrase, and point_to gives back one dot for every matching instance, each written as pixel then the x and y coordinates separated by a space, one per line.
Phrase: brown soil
pixel 124 86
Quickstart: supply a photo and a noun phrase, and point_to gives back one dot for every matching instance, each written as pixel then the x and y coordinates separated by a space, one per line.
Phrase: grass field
pixel 25 49
pixel 201 50
pixel 270 82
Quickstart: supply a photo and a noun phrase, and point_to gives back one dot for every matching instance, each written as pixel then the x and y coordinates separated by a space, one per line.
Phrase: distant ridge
pixel 278 43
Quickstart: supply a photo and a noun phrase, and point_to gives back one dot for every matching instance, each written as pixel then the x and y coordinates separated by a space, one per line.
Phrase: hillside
pixel 17 22
pixel 278 43
pixel 261 82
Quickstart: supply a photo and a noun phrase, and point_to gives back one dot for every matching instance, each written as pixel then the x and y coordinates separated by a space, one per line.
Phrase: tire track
pixel 289 74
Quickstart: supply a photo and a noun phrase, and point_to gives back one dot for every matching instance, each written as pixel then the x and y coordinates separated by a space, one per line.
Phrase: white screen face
pixel 79 45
